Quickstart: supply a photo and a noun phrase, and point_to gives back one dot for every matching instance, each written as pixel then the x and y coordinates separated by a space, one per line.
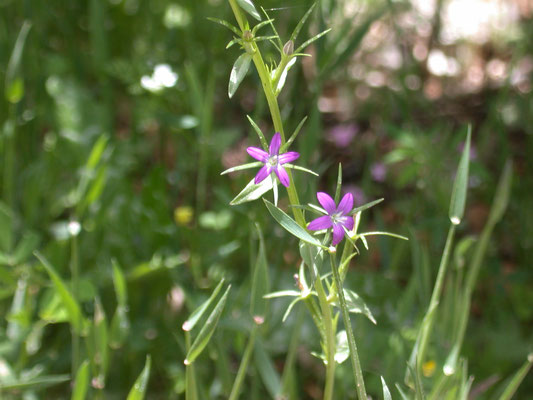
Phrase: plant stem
pixel 273 106
pixel 74 273
pixel 190 378
pixel 354 355
pixel 329 328
pixel 236 389
pixel 427 325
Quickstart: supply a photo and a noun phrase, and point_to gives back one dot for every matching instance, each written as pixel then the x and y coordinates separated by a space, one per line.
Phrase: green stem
pixel 236 389
pixel 74 273
pixel 190 378
pixel 288 367
pixel 427 326
pixel 329 328
pixel 354 355
pixel 273 106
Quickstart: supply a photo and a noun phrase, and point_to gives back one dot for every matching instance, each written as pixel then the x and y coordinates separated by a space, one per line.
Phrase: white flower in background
pixel 162 77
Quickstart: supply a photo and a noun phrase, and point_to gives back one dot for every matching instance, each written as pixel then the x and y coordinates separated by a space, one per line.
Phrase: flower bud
pixel 247 35
pixel 288 48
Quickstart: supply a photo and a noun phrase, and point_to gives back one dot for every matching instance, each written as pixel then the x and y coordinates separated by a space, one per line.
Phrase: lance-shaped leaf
pixel 460 186
pixel 517 379
pixel 260 282
pixel 283 76
pixel 339 184
pixel 81 384
pixel 257 130
pixel 356 305
pixel 298 168
pixel 36 383
pixel 69 302
pixel 138 390
pixel 386 391
pixel 365 206
pixel 503 191
pixel 308 42
pixel 267 371
pixel 242 167
pixel 226 24
pixel 342 349
pixel 253 191
pixel 289 141
pixel 202 309
pixel 249 7
pixel 238 72
pixel 14 84
pixel 291 225
pixel 301 23
pixel 207 330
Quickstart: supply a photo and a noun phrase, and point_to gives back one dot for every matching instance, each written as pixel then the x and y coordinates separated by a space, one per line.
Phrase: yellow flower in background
pixel 428 368
pixel 183 215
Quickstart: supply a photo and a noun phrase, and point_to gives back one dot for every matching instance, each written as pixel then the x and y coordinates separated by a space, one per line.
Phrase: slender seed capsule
pixel 288 48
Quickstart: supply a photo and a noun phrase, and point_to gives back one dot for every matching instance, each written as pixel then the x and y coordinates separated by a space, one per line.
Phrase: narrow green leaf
pixel 283 76
pixel 226 24
pixel 201 310
pixel 242 167
pixel 517 379
pixel 232 42
pixel 238 72
pixel 260 282
pixel 308 42
pixel 253 191
pixel 81 384
pixel 379 233
pixel 35 383
pixel 120 327
pixel 356 305
pixel 28 243
pixel 339 185
pixel 138 390
pixel 6 225
pixel 257 130
pixel 282 293
pixel 268 373
pixel 249 7
pixel 119 282
pixel 298 168
pixel 419 393
pixel 96 152
pixel 100 340
pixel 402 394
pixel 366 206
pixel 386 391
pixel 287 144
pixel 69 302
pixel 291 225
pixel 460 185
pixel 260 25
pixel 503 191
pixel 301 23
pixel 342 348
pixel 207 330
pixel 14 85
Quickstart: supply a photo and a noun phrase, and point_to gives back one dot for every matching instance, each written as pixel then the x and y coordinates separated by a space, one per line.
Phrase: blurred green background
pixel 115 126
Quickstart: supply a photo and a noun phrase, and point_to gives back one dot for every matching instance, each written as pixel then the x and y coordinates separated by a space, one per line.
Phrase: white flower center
pixel 273 161
pixel 336 217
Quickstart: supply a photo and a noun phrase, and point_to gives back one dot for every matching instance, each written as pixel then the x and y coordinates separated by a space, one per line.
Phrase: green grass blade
pixel 460 185
pixel 260 282
pixel 386 391
pixel 207 330
pixel 241 373
pixel 138 390
pixel 287 144
pixel 119 282
pixel 6 224
pixel 14 84
pixel 201 310
pixel 517 379
pixel 260 134
pixel 366 206
pixel 268 373
pixel 69 302
pixel 339 184
pixel 291 225
pixel 35 383
pixel 308 42
pixel 301 23
pixel 81 384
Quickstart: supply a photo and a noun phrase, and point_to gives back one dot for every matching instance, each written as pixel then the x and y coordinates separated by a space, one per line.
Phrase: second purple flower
pixel 337 218
pixel 273 161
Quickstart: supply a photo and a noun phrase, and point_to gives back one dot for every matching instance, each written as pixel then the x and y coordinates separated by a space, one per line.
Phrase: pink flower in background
pixel 357 193
pixel 342 135
pixel 378 171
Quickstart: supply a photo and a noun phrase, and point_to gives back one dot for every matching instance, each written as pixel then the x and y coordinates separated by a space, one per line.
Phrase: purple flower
pixel 337 217
pixel 342 135
pixel 378 171
pixel 273 160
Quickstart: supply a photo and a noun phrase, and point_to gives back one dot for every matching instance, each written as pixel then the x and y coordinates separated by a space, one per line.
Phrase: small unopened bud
pixel 288 48
pixel 332 249
pixel 247 35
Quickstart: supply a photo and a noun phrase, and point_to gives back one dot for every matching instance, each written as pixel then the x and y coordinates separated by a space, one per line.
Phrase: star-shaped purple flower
pixel 337 217
pixel 273 160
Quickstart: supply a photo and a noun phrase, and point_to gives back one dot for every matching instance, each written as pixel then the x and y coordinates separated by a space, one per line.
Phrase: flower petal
pixel 347 222
pixel 346 204
pixel 282 175
pixel 258 154
pixel 327 202
pixel 262 174
pixel 288 157
pixel 338 234
pixel 275 144
pixel 323 222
